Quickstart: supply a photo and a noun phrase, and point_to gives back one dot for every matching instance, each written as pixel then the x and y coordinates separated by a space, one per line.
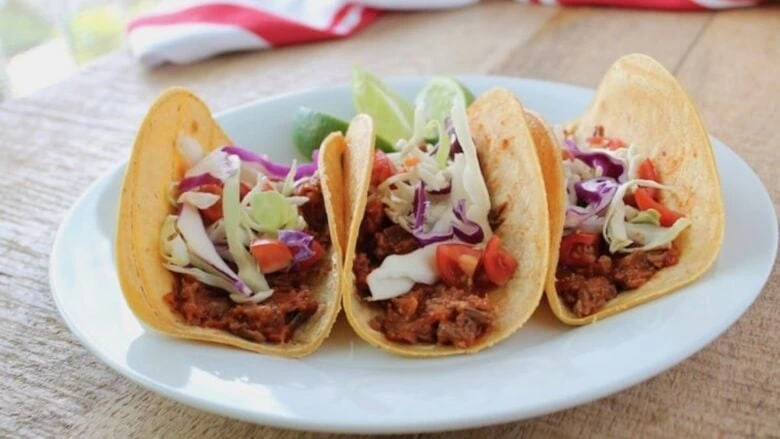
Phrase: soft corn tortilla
pixel 642 103
pixel 513 176
pixel 154 164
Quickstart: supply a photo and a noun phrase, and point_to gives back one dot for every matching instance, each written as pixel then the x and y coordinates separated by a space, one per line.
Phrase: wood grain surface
pixel 55 143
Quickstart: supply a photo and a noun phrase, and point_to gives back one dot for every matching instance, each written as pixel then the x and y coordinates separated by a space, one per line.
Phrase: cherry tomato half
pixel 383 168
pixel 457 263
pixel 646 171
pixel 645 201
pixel 271 255
pixel 499 264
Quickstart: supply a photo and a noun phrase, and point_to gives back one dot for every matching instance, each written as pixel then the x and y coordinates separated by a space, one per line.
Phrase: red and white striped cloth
pixel 186 31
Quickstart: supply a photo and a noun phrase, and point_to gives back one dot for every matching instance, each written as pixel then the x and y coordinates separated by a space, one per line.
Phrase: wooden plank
pixel 579 44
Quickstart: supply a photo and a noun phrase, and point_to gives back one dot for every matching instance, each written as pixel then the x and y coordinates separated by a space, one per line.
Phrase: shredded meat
pixel 585 295
pixel 274 320
pixel 632 271
pixel 436 314
pixel 198 304
pixel 582 255
pixel 394 240
pixel 361 268
pixel 594 277
pixel 313 211
pixel 372 219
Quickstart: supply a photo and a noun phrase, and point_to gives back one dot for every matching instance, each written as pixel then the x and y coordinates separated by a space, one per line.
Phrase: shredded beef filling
pixel 436 314
pixel 599 277
pixel 275 319
pixel 428 314
pixel 313 211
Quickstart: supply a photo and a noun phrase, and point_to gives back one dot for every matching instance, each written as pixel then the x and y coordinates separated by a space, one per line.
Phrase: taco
pixel 219 244
pixel 443 253
pixel 634 195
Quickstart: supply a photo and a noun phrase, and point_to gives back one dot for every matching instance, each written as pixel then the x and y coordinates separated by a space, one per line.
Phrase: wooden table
pixel 55 143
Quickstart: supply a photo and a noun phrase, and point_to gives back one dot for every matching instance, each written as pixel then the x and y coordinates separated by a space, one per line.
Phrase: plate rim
pixel 339 425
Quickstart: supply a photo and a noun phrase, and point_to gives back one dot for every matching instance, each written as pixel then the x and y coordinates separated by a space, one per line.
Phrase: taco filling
pixel 427 258
pixel 617 233
pixel 247 243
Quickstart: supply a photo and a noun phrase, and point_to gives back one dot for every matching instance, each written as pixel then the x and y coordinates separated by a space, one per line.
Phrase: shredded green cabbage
pixel 174 249
pixel 217 281
pixel 289 181
pixel 271 211
pixel 651 237
pixel 470 184
pixel 178 260
pixel 649 216
pixel 418 135
pixel 443 151
pixel 623 236
pixel 248 270
pixel 201 200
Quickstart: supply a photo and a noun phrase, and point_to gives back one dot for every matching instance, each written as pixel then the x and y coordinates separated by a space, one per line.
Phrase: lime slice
pixel 311 127
pixel 393 115
pixel 437 96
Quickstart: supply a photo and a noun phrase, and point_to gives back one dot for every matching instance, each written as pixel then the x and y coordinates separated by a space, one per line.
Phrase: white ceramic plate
pixel 351 387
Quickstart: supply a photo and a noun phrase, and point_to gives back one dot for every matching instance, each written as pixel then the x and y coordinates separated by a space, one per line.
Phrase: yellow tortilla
pixel 642 103
pixel 155 163
pixel 513 176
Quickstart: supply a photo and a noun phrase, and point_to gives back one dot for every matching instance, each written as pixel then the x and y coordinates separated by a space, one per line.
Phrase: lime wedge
pixel 437 96
pixel 311 127
pixel 393 115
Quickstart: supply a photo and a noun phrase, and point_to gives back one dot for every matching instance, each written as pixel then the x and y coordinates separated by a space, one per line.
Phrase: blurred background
pixel 44 41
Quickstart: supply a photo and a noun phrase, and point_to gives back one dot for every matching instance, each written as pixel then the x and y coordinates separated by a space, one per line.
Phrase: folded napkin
pixel 186 31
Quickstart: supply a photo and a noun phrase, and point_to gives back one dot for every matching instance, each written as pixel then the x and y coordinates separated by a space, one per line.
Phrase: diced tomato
pixel 271 255
pixel 499 264
pixel 629 199
pixel 581 238
pixel 568 255
pixel 383 168
pixel 645 201
pixel 646 171
pixel 243 189
pixel 457 263
pixel 213 213
pixel 411 162
pixel 319 252
pixel 566 154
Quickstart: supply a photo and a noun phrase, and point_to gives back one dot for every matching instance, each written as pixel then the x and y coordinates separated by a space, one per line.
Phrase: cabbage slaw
pixel 438 195
pixel 217 254
pixel 597 181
